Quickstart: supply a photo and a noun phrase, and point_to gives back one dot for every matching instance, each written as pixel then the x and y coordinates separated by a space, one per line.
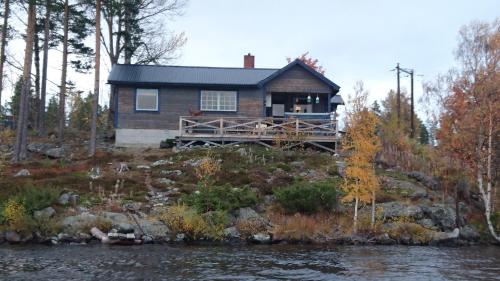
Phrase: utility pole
pixel 398 70
pixel 412 110
pixel 412 123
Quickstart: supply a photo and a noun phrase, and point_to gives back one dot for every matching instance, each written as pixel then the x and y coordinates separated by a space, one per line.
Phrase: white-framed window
pixel 218 101
pixel 146 100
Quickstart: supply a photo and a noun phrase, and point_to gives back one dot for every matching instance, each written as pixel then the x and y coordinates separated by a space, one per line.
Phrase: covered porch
pixel 314 106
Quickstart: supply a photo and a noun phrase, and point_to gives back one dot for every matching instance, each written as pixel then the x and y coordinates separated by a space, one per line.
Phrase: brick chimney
pixel 249 61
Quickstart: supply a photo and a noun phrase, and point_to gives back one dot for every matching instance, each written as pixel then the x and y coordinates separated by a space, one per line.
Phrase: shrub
pixel 184 219
pixel 220 198
pixel 34 198
pixel 208 168
pixel 16 216
pixel 307 198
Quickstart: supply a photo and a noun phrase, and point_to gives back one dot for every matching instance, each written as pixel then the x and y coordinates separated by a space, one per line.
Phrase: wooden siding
pixel 298 80
pixel 176 102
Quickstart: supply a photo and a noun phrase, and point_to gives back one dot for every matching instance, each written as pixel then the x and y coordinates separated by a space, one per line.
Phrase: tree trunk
pixel 355 226
pixel 373 209
pixel 43 90
pixel 3 43
pixel 22 121
pixel 62 94
pixel 95 101
pixel 36 106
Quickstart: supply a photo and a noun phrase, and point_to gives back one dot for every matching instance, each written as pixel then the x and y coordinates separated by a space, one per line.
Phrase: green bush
pixel 37 198
pixel 307 198
pixel 220 198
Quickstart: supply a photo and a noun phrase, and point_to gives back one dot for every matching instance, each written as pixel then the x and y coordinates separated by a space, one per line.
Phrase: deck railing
pixel 264 127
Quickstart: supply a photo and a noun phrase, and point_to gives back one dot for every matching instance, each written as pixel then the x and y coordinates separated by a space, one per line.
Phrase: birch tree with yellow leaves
pixel 361 144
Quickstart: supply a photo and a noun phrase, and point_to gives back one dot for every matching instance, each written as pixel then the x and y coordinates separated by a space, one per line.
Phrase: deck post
pixel 297 126
pixel 181 130
pixel 221 127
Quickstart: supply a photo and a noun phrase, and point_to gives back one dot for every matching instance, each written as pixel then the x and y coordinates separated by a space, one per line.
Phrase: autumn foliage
pixel 361 144
pixel 309 61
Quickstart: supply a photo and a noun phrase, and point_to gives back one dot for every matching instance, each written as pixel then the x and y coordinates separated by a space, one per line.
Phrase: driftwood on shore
pixel 105 239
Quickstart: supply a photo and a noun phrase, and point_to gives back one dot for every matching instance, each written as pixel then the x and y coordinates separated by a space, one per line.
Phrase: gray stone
pixel 83 221
pixel 23 173
pixel 156 230
pixel 404 187
pixel 427 223
pixel 469 233
pixel 161 163
pixel 232 233
pixel 12 237
pixel 180 237
pixel 166 181
pixel 40 147
pixel 384 239
pixel 444 237
pixel 142 167
pixel 64 199
pixel 125 228
pixel 247 214
pixel 56 153
pixel 44 213
pixel 392 210
pixel 262 238
pixel 427 181
pixel 170 173
pixel 115 218
pixel 442 216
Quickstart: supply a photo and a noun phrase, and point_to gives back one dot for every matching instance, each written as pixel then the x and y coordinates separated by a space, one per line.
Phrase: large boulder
pixel 427 181
pixel 232 233
pixel 440 238
pixel 443 216
pixel 393 210
pixel 49 150
pixel 247 214
pixel 69 198
pixel 405 187
pixel 116 219
pixel 153 230
pixel 82 222
pixel 57 153
pixel 469 233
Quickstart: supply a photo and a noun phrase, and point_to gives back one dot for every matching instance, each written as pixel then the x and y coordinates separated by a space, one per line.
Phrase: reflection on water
pixel 278 262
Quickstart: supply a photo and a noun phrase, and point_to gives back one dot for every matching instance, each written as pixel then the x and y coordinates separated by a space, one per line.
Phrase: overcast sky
pixel 353 40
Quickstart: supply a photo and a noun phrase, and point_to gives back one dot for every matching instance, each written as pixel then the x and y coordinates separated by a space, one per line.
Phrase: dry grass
pixel 247 228
pixel 301 227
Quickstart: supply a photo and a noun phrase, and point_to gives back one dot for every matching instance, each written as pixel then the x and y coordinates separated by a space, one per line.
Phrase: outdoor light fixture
pixel 317 99
pixel 309 99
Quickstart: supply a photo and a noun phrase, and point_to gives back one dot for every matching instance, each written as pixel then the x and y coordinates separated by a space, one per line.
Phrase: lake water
pixel 277 262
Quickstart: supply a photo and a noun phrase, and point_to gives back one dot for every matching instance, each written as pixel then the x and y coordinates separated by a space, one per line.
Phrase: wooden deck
pixel 219 131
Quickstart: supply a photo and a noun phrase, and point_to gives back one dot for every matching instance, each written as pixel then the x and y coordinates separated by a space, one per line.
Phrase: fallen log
pixel 105 239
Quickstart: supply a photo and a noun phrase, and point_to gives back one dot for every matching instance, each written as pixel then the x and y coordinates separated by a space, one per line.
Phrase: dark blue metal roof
pixel 183 75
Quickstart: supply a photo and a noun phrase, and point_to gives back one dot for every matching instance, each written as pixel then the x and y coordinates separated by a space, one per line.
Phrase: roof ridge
pixel 189 66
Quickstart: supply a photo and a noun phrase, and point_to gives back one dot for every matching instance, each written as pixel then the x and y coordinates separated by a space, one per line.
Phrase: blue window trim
pixel 220 111
pixel 158 99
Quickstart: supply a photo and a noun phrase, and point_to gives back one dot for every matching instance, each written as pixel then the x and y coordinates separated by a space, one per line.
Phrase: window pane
pixel 218 100
pixel 147 99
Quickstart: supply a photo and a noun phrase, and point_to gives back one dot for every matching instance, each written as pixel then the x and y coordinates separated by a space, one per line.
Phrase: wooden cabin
pixel 222 105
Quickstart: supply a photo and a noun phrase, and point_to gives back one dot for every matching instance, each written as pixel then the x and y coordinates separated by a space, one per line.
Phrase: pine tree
pixel 20 152
pixel 95 100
